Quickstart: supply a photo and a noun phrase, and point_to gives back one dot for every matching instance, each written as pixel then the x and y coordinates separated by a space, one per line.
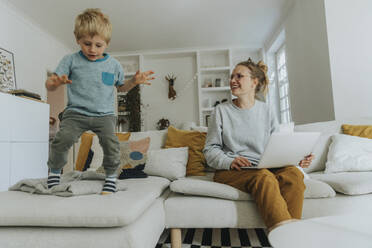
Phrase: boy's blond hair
pixel 93 22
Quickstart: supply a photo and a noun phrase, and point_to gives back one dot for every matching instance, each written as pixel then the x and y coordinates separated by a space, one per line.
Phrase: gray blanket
pixel 72 183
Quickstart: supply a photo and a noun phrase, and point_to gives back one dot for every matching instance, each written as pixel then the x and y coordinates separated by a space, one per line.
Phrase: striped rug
pixel 218 238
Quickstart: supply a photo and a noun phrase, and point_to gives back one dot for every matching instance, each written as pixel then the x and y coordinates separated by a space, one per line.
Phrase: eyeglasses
pixel 238 76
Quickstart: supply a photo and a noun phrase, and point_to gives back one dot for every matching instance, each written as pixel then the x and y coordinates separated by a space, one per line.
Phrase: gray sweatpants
pixel 73 125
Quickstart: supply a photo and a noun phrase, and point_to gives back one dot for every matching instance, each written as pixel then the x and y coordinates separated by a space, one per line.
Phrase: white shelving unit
pixel 130 63
pixel 214 68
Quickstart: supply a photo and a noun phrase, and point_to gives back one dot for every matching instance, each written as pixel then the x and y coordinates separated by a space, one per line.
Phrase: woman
pixel 237 135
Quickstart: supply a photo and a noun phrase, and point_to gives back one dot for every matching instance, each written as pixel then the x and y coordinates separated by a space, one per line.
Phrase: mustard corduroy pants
pixel 278 193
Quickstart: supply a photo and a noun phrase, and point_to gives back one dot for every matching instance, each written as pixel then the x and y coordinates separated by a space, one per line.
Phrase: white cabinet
pixel 29 160
pixel 24 132
pixel 4 165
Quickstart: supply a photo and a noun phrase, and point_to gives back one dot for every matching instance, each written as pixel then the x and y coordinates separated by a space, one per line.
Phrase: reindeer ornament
pixel 171 92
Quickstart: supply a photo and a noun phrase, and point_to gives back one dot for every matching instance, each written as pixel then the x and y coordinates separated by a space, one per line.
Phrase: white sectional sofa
pixel 136 217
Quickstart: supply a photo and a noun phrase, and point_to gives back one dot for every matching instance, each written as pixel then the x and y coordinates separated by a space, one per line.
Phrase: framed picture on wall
pixel 7 71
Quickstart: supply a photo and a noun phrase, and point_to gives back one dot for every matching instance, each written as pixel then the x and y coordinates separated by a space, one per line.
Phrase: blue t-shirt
pixel 92 91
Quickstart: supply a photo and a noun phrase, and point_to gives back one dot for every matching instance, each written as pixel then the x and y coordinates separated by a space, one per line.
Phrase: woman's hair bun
pixel 262 66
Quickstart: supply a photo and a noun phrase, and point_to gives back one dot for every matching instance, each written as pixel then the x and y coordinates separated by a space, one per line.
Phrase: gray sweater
pixel 234 132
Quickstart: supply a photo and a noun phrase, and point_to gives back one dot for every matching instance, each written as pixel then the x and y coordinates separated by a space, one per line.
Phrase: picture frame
pixel 7 71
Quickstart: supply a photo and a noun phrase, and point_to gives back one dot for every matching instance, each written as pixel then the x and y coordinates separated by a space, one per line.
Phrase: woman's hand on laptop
pixel 240 162
pixel 306 161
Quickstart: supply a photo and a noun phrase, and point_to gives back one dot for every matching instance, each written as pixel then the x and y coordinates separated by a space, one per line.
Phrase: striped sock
pixel 53 179
pixel 110 185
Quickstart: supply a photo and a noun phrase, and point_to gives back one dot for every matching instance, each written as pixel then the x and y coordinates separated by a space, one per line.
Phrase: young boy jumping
pixel 90 76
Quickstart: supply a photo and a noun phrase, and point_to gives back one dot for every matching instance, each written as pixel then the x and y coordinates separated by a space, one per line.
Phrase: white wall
pixel 155 97
pixel 308 62
pixel 350 51
pixel 34 50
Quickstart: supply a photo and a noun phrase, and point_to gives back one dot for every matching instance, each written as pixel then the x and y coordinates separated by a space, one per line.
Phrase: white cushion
pixel 220 213
pixel 204 186
pixel 327 128
pixel 349 153
pixel 320 151
pixel 349 183
pixel 119 209
pixel 149 225
pixel 169 163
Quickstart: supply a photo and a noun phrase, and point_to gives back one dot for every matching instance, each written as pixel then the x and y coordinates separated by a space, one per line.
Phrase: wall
pixel 155 97
pixel 350 51
pixel 34 50
pixel 311 96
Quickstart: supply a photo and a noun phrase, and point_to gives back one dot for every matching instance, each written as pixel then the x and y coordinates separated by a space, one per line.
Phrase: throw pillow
pixel 90 141
pixel 133 156
pixel 169 163
pixel 357 130
pixel 195 141
pixel 349 153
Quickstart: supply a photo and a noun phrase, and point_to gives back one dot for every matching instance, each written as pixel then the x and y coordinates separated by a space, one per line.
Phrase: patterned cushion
pixel 133 156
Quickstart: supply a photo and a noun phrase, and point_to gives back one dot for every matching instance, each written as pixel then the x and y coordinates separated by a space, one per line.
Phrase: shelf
pixel 207 109
pixel 122 93
pixel 211 89
pixel 123 113
pixel 209 69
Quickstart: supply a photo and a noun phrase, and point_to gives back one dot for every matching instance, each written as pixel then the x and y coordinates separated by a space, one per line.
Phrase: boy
pixel 90 76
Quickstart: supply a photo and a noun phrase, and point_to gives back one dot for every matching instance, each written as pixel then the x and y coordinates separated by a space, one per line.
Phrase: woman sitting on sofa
pixel 237 135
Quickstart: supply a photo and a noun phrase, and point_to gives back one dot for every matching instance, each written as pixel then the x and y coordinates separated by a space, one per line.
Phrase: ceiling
pixel 164 24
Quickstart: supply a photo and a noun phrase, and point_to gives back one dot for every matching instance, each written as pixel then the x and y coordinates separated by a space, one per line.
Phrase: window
pixel 283 85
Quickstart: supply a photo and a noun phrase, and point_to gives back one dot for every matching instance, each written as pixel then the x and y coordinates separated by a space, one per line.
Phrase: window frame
pixel 284 112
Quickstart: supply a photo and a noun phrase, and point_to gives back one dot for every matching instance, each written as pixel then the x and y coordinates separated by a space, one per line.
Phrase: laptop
pixel 288 148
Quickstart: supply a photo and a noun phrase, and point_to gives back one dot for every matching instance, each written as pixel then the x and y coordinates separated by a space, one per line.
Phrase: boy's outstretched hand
pixel 54 81
pixel 143 77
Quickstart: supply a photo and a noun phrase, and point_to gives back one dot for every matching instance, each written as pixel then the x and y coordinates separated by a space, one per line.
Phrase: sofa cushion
pixel 89 141
pixel 157 138
pixel 195 141
pixel 320 151
pixel 169 163
pixel 327 129
pixel 349 153
pixel 349 183
pixel 358 130
pixel 119 209
pixel 204 186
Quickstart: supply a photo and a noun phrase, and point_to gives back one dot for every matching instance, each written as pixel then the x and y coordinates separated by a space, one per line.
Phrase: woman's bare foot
pixel 281 223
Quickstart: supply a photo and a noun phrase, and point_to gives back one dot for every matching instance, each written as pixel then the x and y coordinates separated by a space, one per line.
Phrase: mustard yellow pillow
pixel 364 131
pixel 86 144
pixel 195 141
